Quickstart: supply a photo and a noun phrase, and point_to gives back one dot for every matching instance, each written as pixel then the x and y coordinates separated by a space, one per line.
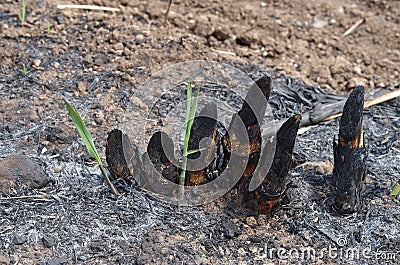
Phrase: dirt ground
pixel 96 60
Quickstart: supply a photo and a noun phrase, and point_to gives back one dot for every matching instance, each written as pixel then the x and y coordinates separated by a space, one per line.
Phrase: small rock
pixel 37 62
pixel 251 221
pixel 141 260
pixel 241 251
pixel 357 70
pixel 263 4
pixel 16 170
pixel 139 39
pixel 99 62
pixel 341 65
pixel 253 249
pixel 123 244
pixel 243 40
pixel 57 261
pixel 97 246
pixel 222 34
pixel 319 23
pixel 19 239
pixel 138 103
pixel 48 241
pixel 4 260
pixel 119 46
pixel 56 65
pixel 81 86
pixel 60 19
pixel 116 35
pixel 164 250
pixel 228 229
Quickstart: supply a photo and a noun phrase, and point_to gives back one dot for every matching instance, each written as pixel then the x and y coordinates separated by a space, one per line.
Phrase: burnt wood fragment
pixel 350 156
pixel 251 115
pixel 160 150
pixel 274 183
pixel 203 137
pixel 118 154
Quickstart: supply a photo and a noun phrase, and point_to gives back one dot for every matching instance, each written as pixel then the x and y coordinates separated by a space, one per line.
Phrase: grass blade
pixel 191 107
pixel 89 143
pixel 395 190
pixel 83 132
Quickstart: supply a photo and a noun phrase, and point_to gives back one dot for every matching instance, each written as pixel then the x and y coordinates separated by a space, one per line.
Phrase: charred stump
pixel 216 146
pixel 350 156
pixel 118 152
pixel 251 115
pixel 274 182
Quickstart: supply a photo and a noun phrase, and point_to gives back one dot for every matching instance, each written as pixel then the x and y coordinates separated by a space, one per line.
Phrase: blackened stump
pixel 118 153
pixel 251 114
pixel 160 150
pixel 350 156
pixel 274 183
pixel 203 137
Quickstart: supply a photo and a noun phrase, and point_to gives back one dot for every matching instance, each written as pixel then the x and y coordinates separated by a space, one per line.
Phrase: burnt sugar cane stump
pixel 348 179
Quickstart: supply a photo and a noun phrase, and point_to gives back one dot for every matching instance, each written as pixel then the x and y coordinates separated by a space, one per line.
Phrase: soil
pixel 97 59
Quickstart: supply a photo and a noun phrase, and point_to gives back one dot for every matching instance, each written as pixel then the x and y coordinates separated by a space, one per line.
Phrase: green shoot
pixel 22 14
pixel 190 113
pixel 396 189
pixel 88 140
pixel 48 25
pixel 24 69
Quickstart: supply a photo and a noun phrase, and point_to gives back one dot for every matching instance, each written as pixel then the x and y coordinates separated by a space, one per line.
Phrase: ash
pixel 76 219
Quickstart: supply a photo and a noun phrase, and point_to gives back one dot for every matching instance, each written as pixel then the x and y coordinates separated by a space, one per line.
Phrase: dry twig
pixel 89 7
pixel 352 28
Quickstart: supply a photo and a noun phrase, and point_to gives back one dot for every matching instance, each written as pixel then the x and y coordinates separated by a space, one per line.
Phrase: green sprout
pixel 190 113
pixel 24 69
pixel 22 14
pixel 88 140
pixel 396 189
pixel 48 25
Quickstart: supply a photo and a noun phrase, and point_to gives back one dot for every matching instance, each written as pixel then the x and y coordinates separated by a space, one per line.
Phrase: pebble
pixel 57 261
pixel 119 46
pixel 141 260
pixel 263 4
pixel 19 239
pixel 4 260
pixel 241 251
pixel 97 246
pixel 221 34
pixel 81 86
pixel 48 241
pixel 139 37
pixel 21 170
pixel 37 62
pixel 138 103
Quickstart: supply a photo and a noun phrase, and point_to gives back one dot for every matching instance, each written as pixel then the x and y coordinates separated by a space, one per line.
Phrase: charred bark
pixel 203 137
pixel 160 150
pixel 118 154
pixel 350 156
pixel 274 183
pixel 251 115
